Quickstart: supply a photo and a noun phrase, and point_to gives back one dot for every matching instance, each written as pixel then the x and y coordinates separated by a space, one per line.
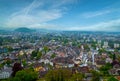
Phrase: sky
pixel 85 15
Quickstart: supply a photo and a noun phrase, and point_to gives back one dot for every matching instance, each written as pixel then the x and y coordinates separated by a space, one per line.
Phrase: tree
pixel 101 50
pixel 25 75
pixel 20 57
pixel 114 57
pixel 104 69
pixel 9 48
pixel 1 40
pixel 116 50
pixel 34 54
pixel 93 45
pixel 1 66
pixel 39 55
pixel 17 67
pixel 86 47
pixel 112 79
pixel 118 58
pixel 53 55
pixel 24 62
pixel 118 72
pixel 8 62
pixel 46 49
pixel 77 77
pixel 58 75
pixel 95 76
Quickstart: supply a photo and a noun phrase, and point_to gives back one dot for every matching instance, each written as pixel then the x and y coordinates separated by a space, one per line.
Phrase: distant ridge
pixel 2 31
pixel 24 30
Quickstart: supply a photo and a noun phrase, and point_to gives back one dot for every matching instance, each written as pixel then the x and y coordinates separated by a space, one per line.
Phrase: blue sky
pixel 87 15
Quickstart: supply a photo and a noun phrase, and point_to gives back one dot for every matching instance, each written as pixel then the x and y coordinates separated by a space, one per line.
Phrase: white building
pixel 105 45
pixel 4 75
pixel 116 45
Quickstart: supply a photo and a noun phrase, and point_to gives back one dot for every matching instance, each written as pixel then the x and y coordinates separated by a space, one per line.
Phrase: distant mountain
pixel 2 31
pixel 24 30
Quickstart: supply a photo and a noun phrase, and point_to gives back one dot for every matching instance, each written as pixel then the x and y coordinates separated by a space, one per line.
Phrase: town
pixel 93 56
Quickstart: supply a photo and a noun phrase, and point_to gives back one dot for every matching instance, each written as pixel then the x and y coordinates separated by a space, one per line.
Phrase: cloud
pixel 62 3
pixel 35 4
pixel 112 25
pixel 95 14
pixel 27 20
pixel 98 13
pixel 38 12
pixel 45 25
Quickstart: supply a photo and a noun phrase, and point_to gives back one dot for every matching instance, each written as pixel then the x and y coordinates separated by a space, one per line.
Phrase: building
pixel 116 45
pixel 105 45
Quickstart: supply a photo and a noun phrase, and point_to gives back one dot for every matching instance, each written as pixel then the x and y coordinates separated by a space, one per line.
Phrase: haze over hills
pixel 31 30
pixel 24 29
